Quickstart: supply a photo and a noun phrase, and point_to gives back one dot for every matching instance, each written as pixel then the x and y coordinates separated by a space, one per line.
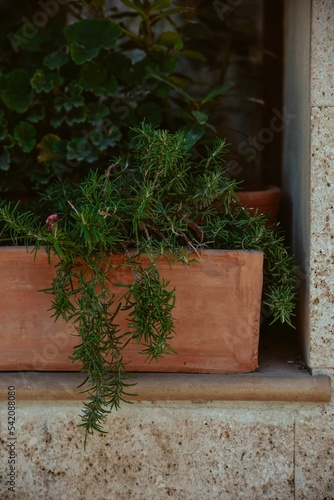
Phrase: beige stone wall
pixel 222 450
pixel 322 187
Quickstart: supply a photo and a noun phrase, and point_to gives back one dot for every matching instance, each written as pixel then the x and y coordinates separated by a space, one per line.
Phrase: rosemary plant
pixel 154 201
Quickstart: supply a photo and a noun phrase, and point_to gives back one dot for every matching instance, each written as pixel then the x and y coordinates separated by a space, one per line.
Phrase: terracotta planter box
pixel 217 315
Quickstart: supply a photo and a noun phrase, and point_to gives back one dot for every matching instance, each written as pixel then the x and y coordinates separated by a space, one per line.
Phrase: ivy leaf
pixel 4 160
pixel 47 148
pixel 55 59
pixel 89 36
pixel 18 94
pixel 24 134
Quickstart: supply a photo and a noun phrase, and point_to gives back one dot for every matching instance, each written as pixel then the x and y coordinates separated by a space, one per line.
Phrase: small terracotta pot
pixel 266 201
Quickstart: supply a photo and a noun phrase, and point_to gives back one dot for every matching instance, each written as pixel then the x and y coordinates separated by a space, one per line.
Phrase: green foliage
pixel 24 134
pixel 43 81
pixel 155 201
pixel 55 59
pixel 88 36
pixel 99 70
pixel 16 92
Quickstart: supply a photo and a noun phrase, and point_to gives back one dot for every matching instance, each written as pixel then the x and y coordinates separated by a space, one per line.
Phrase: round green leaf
pixel 88 36
pixel 55 59
pixel 81 55
pixel 47 148
pixel 24 134
pixel 18 94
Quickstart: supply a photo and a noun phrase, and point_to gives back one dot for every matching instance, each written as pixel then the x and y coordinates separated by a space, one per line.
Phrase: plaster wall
pixel 222 450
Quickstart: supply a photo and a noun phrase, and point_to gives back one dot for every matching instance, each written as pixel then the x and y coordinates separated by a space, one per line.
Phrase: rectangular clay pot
pixel 217 314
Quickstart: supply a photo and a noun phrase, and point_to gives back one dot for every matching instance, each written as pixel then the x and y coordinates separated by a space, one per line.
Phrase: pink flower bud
pixel 52 218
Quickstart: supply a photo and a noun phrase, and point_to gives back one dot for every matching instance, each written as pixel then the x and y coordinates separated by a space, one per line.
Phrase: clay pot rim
pixel 268 188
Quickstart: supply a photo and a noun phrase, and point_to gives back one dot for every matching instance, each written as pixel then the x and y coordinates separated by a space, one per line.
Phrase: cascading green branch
pixel 151 315
pixel 154 201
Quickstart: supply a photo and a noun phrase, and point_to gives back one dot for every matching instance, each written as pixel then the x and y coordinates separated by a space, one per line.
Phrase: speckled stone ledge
pixel 290 386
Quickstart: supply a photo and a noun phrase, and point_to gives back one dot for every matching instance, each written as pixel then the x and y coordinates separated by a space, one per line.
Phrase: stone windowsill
pixel 281 377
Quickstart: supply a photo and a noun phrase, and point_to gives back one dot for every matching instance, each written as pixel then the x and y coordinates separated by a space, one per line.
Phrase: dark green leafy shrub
pixel 76 87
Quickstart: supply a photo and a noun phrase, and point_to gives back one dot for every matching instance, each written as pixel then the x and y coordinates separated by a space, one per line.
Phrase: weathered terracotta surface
pixel 266 201
pixel 216 316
